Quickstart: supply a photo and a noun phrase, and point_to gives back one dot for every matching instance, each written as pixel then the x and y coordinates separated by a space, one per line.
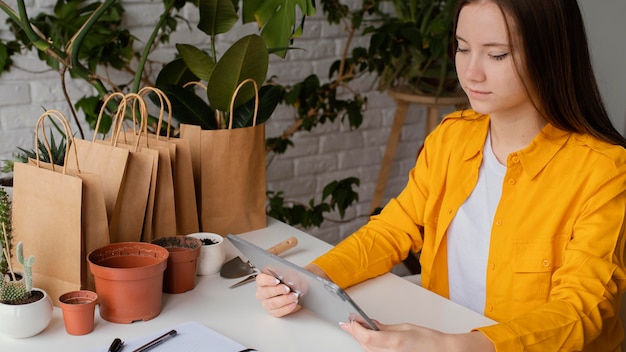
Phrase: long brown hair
pixel 554 41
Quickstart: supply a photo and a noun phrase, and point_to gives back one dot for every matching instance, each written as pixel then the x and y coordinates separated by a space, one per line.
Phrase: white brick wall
pixel 332 151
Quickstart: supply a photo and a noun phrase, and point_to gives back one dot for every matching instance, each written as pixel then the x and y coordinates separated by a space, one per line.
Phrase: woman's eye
pixel 499 57
pixel 461 50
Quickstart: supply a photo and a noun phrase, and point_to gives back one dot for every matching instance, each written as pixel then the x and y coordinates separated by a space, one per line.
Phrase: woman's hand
pixel 275 297
pixel 409 337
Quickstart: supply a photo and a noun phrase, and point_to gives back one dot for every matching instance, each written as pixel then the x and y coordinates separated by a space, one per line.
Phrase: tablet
pixel 322 297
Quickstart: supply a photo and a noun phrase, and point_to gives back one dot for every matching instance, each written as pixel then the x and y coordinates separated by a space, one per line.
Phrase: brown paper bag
pixel 107 161
pixel 160 219
pixel 230 167
pixel 135 194
pixel 60 216
pixel 184 188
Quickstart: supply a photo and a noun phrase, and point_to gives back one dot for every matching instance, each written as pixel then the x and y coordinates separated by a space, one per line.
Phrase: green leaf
pixel 176 73
pixel 216 16
pixel 278 19
pixel 198 61
pixel 269 97
pixel 246 58
pixel 189 108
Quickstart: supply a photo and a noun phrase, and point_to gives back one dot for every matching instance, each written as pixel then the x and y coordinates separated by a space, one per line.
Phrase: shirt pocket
pixel 533 265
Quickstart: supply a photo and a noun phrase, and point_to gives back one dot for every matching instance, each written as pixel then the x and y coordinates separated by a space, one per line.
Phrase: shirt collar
pixel 534 157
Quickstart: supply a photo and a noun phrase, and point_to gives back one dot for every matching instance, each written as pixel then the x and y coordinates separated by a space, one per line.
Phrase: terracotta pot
pixel 129 280
pixel 78 311
pixel 26 320
pixel 180 275
pixel 212 254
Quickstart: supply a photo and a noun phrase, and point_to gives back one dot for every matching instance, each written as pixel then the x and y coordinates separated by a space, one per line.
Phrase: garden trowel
pixel 236 267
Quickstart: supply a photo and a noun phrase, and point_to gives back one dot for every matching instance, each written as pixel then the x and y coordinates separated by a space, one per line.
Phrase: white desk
pixel 237 314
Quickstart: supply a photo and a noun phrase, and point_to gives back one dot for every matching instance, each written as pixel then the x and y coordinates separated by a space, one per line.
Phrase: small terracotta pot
pixel 78 311
pixel 129 280
pixel 180 275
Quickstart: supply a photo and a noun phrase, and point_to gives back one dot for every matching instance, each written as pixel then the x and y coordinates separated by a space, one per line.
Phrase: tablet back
pixel 316 294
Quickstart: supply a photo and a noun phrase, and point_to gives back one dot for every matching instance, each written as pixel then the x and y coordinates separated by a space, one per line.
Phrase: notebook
pixel 322 297
pixel 191 337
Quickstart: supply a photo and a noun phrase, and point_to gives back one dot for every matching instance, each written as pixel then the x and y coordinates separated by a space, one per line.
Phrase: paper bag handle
pixel 114 115
pixel 162 98
pixel 256 101
pixel 143 113
pixel 69 142
pixel 199 84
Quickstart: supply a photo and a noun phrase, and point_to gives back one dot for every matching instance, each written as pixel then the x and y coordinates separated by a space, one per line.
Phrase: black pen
pixel 156 341
pixel 116 345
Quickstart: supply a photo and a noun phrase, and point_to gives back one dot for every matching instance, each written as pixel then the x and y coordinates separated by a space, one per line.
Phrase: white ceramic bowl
pixel 211 255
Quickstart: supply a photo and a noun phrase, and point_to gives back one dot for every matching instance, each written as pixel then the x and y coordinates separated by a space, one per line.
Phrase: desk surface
pixel 237 314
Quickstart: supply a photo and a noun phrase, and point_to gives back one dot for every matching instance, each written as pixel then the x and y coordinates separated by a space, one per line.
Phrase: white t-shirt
pixel 469 235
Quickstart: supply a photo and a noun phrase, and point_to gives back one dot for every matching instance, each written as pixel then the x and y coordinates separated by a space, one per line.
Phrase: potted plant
pixel 24 311
pixel 5 241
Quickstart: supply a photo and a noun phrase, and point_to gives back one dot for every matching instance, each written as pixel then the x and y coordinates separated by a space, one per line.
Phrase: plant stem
pixel 146 50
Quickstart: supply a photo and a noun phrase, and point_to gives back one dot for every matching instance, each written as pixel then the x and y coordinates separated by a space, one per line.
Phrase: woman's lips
pixel 477 94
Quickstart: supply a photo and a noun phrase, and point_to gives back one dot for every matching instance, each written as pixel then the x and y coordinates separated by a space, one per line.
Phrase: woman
pixel 517 206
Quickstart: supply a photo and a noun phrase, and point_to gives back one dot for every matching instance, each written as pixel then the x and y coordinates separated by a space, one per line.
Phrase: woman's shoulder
pixel 463 118
pixel 615 154
pixel 462 122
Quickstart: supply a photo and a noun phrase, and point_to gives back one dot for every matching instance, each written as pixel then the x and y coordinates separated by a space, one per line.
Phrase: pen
pixel 116 345
pixel 156 341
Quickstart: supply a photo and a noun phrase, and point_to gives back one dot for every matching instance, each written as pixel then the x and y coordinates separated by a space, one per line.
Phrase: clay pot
pixel 129 280
pixel 180 275
pixel 78 311
pixel 26 320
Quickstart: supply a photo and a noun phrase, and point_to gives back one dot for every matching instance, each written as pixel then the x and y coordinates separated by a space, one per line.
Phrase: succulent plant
pixel 5 219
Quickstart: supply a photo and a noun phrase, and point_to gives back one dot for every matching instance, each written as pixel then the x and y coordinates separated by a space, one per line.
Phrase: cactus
pixel 27 264
pixel 12 290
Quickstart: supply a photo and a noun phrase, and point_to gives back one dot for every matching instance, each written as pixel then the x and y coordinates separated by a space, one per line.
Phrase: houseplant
pixel 5 240
pixel 24 311
pixel 89 29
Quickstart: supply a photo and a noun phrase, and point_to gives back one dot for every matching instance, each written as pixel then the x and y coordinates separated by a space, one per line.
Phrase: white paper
pixel 191 337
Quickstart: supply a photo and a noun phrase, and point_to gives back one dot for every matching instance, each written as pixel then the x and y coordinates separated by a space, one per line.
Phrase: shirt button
pixel 546 263
pixel 489 308
pixel 499 222
pixel 515 159
pixel 512 181
pixel 492 266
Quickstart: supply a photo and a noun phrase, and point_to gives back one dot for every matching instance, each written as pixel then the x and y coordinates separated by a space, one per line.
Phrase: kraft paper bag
pixel 60 215
pixel 135 195
pixel 229 165
pixel 182 171
pixel 108 161
pixel 160 218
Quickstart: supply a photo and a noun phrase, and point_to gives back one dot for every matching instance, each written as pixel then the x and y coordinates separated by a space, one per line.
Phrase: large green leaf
pixel 216 16
pixel 246 58
pixel 269 97
pixel 189 108
pixel 176 73
pixel 278 19
pixel 198 61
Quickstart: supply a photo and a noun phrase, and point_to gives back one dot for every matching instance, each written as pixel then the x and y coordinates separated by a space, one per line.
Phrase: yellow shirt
pixel 556 268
